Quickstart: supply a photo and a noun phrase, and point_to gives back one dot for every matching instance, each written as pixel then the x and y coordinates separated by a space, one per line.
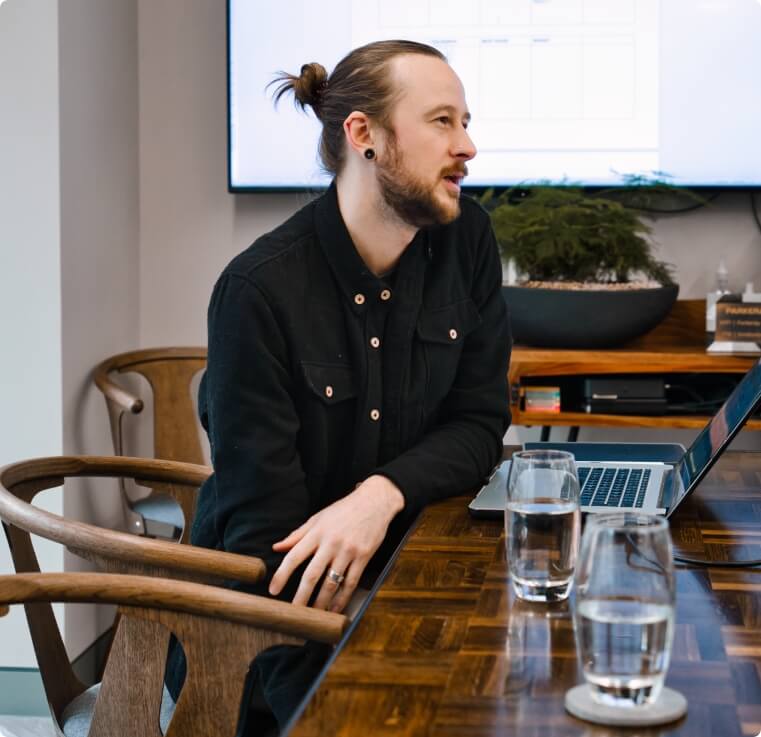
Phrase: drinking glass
pixel 542 524
pixel 625 606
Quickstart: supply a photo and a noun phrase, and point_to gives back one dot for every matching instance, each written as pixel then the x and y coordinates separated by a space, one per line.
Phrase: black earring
pixel 369 154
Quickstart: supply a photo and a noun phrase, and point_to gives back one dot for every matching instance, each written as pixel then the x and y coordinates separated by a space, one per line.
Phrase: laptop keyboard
pixel 613 487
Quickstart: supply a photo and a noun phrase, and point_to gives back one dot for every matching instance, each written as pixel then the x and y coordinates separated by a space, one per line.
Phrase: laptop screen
pixel 724 425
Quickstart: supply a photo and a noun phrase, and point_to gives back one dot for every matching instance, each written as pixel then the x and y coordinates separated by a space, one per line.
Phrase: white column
pixel 30 274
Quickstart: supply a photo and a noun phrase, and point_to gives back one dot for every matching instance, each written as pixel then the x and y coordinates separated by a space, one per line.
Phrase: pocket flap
pixel 330 382
pixel 448 324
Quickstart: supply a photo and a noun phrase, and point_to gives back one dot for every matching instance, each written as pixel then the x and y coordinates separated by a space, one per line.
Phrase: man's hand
pixel 343 536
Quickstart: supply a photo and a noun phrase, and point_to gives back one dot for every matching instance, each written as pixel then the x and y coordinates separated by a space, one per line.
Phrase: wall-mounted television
pixel 588 92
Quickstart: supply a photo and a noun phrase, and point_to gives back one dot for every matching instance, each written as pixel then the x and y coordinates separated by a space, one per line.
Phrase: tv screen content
pixel 589 92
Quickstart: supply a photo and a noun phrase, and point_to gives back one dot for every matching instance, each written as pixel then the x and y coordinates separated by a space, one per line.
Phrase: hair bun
pixel 310 85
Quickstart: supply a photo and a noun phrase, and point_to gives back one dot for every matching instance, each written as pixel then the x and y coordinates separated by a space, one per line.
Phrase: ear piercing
pixel 369 154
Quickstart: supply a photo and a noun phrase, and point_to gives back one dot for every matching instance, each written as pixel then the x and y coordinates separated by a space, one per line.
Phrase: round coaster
pixel 669 707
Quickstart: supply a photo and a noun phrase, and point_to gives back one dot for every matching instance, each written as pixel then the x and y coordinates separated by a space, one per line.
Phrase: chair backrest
pixel 220 630
pixel 170 372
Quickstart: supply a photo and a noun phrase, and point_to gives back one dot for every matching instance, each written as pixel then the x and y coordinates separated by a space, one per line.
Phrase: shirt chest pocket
pixel 331 383
pixel 328 414
pixel 442 332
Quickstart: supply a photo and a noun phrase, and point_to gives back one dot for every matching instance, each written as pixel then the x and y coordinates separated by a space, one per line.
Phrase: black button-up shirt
pixel 321 373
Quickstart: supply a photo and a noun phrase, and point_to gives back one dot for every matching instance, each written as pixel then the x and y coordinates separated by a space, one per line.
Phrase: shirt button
pixel 328 391
pixel 374 342
pixel 374 415
pixel 453 334
pixel 359 299
pixel 385 295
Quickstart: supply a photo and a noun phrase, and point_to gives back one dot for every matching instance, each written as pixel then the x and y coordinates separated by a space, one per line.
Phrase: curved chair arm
pixel 19 482
pixel 124 361
pixel 112 391
pixel 178 596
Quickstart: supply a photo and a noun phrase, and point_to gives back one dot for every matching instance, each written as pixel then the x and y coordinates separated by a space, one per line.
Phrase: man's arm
pixel 252 423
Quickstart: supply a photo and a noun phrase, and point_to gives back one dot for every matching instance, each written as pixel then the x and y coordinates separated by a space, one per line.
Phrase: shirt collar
pixel 360 286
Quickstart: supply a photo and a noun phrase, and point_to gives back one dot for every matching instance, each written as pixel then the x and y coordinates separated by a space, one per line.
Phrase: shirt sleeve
pixel 460 452
pixel 259 486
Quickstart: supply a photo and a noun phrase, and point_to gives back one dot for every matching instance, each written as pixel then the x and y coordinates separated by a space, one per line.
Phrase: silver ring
pixel 336 577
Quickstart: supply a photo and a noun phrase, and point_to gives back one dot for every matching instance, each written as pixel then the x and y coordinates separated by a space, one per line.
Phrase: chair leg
pixel 111 637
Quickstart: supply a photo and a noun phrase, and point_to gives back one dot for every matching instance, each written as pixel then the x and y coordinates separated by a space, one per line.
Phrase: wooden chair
pixel 165 512
pixel 158 587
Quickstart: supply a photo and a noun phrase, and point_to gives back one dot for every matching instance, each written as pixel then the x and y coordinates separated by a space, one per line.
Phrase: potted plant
pixel 588 275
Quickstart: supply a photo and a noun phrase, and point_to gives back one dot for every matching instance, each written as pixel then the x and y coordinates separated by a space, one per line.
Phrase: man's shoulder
pixel 288 242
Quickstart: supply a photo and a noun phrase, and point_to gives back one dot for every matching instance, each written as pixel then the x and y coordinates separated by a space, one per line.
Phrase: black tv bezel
pixel 468 189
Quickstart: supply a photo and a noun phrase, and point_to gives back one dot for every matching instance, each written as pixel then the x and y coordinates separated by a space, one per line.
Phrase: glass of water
pixel 542 524
pixel 625 606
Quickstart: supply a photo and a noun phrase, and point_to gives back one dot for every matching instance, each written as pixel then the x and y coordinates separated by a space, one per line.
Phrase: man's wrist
pixel 392 493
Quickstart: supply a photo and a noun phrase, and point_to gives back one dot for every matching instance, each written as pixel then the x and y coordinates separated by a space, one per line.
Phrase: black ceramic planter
pixel 585 318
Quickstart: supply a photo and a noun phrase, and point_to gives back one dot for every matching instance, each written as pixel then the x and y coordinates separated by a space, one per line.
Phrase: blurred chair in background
pixel 167 512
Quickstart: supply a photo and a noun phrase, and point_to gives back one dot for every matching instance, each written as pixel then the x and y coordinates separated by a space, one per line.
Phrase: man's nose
pixel 465 149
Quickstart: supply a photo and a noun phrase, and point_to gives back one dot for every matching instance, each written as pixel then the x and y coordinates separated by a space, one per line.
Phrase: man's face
pixel 423 159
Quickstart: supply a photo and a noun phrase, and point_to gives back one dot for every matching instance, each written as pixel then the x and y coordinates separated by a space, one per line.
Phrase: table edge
pixel 298 713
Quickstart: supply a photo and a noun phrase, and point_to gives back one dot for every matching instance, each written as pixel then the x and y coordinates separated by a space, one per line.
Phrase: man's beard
pixel 413 201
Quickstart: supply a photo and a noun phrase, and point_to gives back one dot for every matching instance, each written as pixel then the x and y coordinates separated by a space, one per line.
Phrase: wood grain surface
pixel 177 596
pixel 445 649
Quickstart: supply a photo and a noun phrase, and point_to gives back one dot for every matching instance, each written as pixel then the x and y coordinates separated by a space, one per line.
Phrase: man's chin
pixel 449 210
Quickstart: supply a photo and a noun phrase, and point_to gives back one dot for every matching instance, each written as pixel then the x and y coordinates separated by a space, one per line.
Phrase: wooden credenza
pixel 677 345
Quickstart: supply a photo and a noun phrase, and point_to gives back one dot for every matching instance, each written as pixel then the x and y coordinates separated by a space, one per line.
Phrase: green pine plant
pixel 563 234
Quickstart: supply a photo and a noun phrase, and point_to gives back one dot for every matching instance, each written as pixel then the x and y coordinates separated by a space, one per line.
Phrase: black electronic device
pixel 623 395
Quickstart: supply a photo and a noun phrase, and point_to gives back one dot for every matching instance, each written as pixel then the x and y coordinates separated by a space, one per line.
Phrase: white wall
pixel 30 289
pixel 99 248
pixel 190 227
pixel 69 255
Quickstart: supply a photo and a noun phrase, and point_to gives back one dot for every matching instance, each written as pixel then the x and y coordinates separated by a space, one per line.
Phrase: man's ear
pixel 358 132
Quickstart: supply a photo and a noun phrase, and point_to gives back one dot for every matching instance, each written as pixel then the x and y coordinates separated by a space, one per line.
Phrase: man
pixel 358 353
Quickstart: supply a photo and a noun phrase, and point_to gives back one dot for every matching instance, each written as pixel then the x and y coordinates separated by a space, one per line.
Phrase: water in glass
pixel 542 541
pixel 625 648
pixel 625 600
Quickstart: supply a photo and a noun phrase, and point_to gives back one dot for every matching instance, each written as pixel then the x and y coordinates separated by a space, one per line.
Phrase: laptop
pixel 649 477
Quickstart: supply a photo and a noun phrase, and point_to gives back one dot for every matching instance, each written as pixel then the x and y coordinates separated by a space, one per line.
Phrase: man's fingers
pixel 353 574
pixel 298 554
pixel 330 587
pixel 312 575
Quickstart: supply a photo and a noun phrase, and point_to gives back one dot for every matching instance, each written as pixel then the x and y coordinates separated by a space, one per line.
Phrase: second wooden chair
pixel 167 511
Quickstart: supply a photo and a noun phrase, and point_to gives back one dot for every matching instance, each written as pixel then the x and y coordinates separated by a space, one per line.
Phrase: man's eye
pixel 443 119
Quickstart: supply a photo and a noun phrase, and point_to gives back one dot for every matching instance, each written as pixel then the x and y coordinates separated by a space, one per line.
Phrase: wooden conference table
pixel 443 647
